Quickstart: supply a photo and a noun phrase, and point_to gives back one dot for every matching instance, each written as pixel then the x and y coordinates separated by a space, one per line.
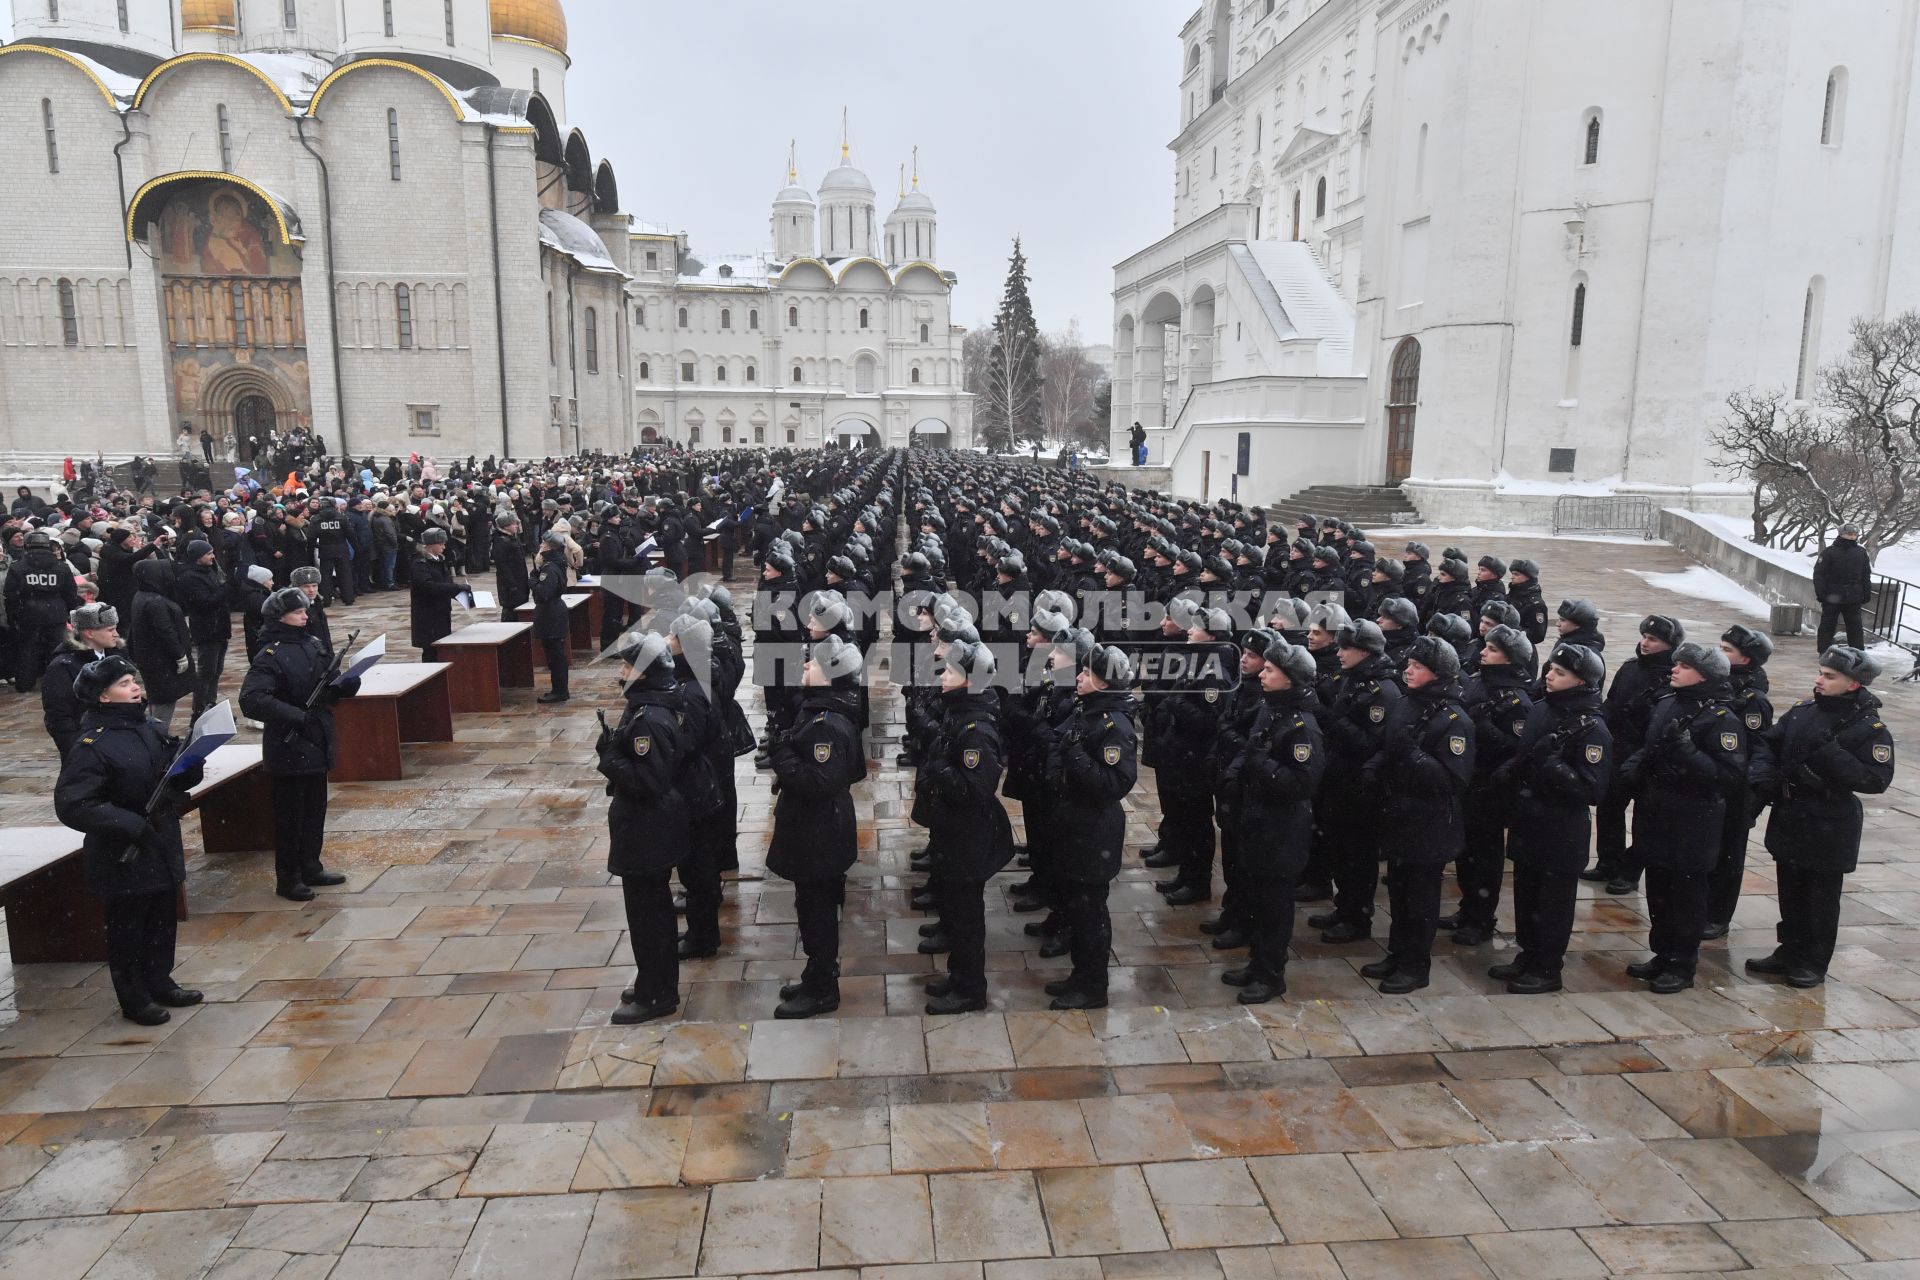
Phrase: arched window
pixel 793 317
pixel 753 374
pixel 863 379
pixel 224 124
pixel 593 341
pixel 797 375
pixel 693 435
pixel 1590 135
pixel 646 371
pixel 403 315
pixel 753 319
pixel 289 13
pixel 683 317
pixel 914 376
pixel 386 15
pixel 720 372
pixel 726 317
pixel 69 315
pixel 1320 200
pixel 237 296
pixel 1810 338
pixel 1578 327
pixel 393 143
pixel 1833 116
pixel 53 141
pixel 789 435
pixel 863 317
pixel 447 10
pixel 726 434
pixel 924 331
pixel 640 315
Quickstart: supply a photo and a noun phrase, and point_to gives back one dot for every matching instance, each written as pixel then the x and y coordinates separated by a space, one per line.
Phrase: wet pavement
pixel 413 1075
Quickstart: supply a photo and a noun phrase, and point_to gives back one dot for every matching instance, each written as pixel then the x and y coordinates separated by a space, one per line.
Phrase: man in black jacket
pixel 550 625
pixel 510 581
pixel 94 633
pixel 1843 579
pixel 40 593
pixel 434 590
pixel 202 589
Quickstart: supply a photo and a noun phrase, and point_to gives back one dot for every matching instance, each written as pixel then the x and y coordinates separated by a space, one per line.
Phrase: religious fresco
pixel 233 310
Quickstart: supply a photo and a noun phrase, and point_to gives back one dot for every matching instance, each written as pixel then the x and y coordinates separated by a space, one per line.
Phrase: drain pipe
pixel 499 306
pixel 333 292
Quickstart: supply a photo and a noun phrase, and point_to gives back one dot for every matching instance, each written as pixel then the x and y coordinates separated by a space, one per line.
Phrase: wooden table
pixel 398 702
pixel 482 657
pixel 596 606
pixel 235 801
pixel 580 634
pixel 52 917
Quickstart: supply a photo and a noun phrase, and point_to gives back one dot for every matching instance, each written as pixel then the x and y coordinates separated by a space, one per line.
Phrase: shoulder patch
pixel 970 758
pixel 1729 742
pixel 1111 755
pixel 1376 713
pixel 1594 753
pixel 1213 695
pixel 1882 753
pixel 1457 745
pixel 642 744
pixel 1519 727
pixel 1753 720
pixel 822 752
pixel 1303 751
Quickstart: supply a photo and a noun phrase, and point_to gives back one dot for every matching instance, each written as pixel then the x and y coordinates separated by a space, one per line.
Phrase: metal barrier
pixel 1574 514
pixel 1892 613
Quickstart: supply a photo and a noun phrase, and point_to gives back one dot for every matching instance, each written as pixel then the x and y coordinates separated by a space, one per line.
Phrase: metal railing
pixel 1892 614
pixel 1575 514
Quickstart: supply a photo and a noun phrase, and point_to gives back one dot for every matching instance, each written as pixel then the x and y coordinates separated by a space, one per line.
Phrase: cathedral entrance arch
pixel 1403 401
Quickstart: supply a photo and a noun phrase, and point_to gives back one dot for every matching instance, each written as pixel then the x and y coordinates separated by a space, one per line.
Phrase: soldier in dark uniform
pixel 1693 758
pixel 1186 720
pixel 1416 574
pixel 1747 652
pixel 40 594
pixel 307 578
pixel 815 765
pixel 1496 698
pixel 1267 796
pixel 1560 769
pixel 1029 721
pixel 1577 622
pixel 297 746
pixel 1363 697
pixel 1818 759
pixel 1628 705
pixel 511 584
pixel 135 862
pixel 649 822
pixel 550 624
pixel 1091 767
pixel 1451 592
pixel 1419 779
pixel 433 589
pixel 1230 928
pixel 1523 592
pixel 330 536
pixel 95 633
pixel 969 836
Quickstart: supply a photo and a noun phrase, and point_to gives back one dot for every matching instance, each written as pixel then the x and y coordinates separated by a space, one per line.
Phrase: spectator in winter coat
pixel 1843 579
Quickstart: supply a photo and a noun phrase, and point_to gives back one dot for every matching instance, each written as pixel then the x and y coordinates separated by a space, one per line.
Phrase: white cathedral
pixel 1499 249
pixel 370 219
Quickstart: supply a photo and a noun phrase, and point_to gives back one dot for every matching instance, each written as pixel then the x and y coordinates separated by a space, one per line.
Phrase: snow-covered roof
pixel 297 74
pixel 738 270
pixel 642 227
pixel 567 234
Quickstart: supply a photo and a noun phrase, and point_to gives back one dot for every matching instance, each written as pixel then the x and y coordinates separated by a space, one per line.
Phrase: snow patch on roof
pixel 740 270
pixel 567 234
pixel 297 74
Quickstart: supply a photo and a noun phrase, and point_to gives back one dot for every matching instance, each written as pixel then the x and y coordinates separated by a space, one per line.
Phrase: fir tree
pixel 1009 408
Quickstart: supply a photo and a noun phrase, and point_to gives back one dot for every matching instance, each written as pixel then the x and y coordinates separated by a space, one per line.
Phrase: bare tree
pixel 976 347
pixel 1070 384
pixel 1850 457
pixel 1009 396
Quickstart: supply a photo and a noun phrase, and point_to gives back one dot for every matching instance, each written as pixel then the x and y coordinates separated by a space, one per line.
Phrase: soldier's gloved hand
pixel 1804 776
pixel 184 662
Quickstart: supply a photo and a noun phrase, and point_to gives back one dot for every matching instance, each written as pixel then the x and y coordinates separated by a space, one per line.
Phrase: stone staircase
pixel 1365 506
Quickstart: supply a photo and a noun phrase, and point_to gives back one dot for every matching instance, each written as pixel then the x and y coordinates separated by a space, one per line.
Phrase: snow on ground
pixel 1434 535
pixel 1702 583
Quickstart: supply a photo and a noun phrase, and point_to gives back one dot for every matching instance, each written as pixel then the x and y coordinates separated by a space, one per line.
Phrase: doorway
pixel 1403 401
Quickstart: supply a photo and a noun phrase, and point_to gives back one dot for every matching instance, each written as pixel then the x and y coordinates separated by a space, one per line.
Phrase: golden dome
pixel 207 15
pixel 540 21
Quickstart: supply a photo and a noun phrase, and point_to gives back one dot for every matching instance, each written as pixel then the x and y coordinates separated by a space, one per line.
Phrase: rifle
pixel 132 850
pixel 333 669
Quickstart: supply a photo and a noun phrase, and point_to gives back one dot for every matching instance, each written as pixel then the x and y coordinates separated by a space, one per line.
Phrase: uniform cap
pixel 1296 662
pixel 1527 567
pixel 1362 635
pixel 1329 617
pixel 838 659
pixel 1854 663
pixel 1706 659
pixel 1502 611
pixel 1110 664
pixel 101 675
pixel 1661 627
pixel 94 617
pixel 305 575
pixel 283 602
pixel 1582 613
pixel 1436 655
pixel 1579 660
pixel 1755 646
pixel 1291 613
pixel 1451 627
pixel 971 659
pixel 1217 623
pixel 195 549
pixel 1513 642
pixel 433 537
pixel 1402 611
pixel 641 650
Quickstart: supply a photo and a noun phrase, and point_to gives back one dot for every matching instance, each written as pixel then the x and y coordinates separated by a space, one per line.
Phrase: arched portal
pixel 1156 376
pixel 1403 401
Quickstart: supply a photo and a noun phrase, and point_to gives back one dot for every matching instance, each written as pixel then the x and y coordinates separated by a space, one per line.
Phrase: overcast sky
pixel 1046 119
